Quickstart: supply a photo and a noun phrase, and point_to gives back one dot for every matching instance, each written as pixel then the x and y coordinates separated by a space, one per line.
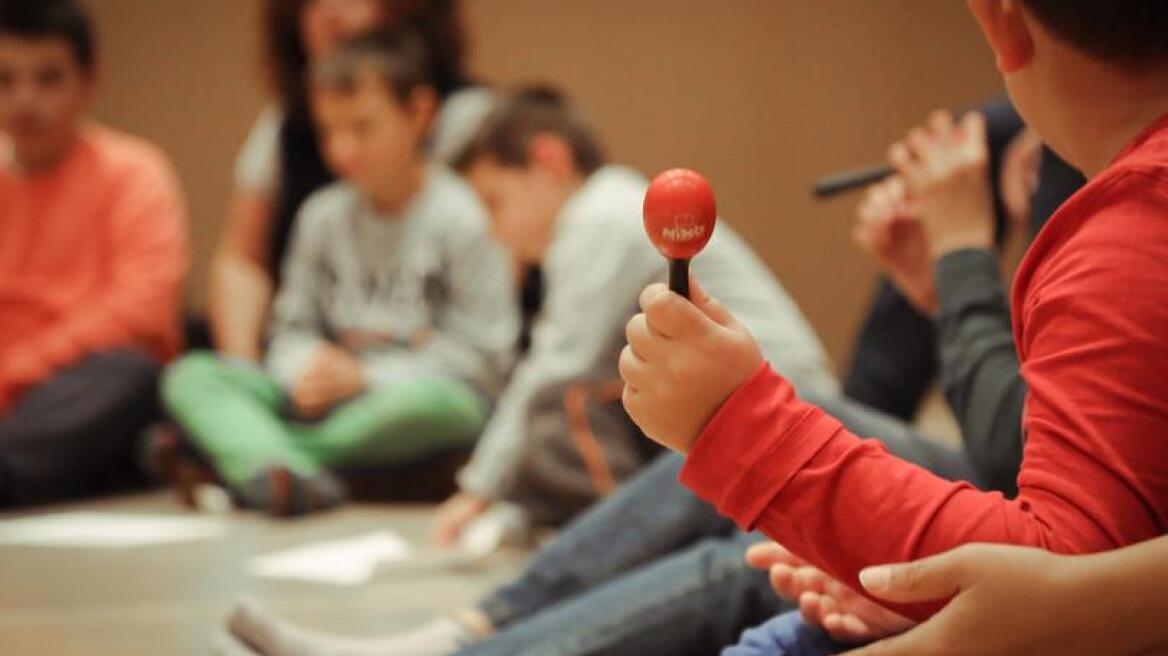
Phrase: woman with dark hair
pixel 280 164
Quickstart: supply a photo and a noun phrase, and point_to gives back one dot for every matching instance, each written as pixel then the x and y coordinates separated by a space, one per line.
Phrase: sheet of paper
pixel 107 530
pixel 348 561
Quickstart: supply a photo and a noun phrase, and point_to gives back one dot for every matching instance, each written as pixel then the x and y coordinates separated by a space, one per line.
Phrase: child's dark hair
pixel 521 116
pixel 66 20
pixel 1130 33
pixel 396 55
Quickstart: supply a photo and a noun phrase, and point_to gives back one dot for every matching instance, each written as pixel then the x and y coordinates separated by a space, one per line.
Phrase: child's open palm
pixel 844 613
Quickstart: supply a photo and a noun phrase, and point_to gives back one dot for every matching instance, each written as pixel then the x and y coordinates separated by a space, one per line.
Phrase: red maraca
pixel 679 217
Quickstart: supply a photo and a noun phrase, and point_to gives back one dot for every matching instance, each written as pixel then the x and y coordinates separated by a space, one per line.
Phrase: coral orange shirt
pixel 92 256
pixel 1091 326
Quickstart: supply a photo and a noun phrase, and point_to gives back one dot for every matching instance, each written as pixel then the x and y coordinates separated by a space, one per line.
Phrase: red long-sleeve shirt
pixel 92 257
pixel 1091 327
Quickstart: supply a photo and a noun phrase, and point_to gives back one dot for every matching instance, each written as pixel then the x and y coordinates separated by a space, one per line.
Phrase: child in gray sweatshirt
pixel 395 322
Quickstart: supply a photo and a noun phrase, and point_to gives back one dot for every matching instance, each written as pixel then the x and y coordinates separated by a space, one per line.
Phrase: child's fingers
pixel 827 606
pixel 306 390
pixel 891 200
pixel 895 189
pixel 973 130
pixel 309 403
pixel 865 208
pixel 875 202
pixel 867 219
pixel 644 341
pixel 671 315
pixel 846 627
pixel 810 578
pixel 445 532
pixel 632 370
pixel 841 625
pixel 906 165
pixel 862 236
pixel 765 554
pixel 334 387
pixel 631 400
pixel 940 123
pixel 879 207
pixel 920 144
pixel 783 582
pixel 809 608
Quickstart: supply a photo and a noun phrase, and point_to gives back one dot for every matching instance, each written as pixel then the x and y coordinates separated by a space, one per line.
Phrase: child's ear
pixel 551 153
pixel 1007 31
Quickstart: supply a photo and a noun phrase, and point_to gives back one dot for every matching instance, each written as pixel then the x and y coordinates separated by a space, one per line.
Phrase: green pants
pixel 233 413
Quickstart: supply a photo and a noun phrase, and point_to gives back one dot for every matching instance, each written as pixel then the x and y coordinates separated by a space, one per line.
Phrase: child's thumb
pixel 931 579
pixel 709 305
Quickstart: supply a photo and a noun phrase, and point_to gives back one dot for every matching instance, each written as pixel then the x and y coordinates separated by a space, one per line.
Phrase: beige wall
pixel 760 95
pixel 184 74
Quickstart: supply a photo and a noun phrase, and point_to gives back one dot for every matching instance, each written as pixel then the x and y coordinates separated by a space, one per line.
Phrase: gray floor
pixel 159 601
pixel 155 601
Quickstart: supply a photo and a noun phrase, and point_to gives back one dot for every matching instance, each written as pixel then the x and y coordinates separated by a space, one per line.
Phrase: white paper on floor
pixel 348 561
pixel 107 530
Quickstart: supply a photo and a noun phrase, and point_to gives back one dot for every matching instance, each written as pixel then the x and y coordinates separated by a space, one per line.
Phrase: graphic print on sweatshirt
pixel 396 300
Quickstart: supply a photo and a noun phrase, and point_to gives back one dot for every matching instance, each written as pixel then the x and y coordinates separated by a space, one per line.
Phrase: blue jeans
pixel 652 569
pixel 689 603
pixel 648 517
pixel 636 573
pixel 785 635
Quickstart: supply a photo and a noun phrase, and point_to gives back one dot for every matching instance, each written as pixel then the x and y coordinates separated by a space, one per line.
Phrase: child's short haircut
pixel 66 20
pixel 398 56
pixel 1130 33
pixel 521 116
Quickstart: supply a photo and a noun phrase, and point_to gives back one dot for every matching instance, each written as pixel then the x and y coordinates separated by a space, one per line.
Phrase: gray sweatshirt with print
pixel 423 293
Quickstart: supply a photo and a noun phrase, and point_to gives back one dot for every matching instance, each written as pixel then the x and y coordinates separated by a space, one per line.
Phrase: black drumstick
pixel 839 183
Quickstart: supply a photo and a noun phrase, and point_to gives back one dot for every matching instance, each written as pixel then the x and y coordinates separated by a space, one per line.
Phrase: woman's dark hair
pixel 438 22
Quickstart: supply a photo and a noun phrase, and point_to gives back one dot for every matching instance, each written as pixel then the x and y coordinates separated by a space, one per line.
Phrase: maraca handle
pixel 679 277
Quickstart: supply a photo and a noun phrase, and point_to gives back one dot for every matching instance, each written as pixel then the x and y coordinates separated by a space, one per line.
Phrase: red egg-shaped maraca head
pixel 679 213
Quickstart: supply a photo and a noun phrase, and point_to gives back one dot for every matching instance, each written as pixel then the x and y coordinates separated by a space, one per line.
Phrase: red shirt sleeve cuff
pixel 760 437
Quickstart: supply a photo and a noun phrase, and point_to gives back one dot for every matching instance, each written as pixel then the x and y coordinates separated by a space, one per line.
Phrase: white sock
pixel 271 636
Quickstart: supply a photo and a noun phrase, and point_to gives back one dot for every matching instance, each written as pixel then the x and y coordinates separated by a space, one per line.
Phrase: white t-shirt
pixel 259 158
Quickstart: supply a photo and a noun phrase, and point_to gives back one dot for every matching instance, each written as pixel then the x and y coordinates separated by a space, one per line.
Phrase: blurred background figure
pixel 393 327
pixel 951 327
pixel 92 258
pixel 559 440
pixel 279 166
pixel 280 163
